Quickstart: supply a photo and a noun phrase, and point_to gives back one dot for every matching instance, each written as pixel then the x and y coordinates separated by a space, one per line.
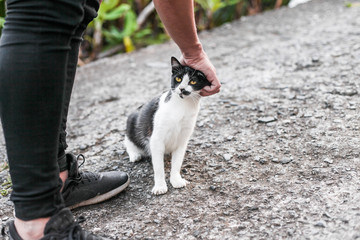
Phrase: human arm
pixel 179 21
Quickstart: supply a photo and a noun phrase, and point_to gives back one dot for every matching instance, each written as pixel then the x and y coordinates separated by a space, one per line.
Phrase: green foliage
pixel 116 25
pixel 214 5
pixel 352 4
pixel 215 12
pixel 6 186
pixel 2 14
pixel 2 21
pixel 110 15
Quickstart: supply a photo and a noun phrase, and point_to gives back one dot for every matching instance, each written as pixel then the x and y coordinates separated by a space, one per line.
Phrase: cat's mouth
pixel 184 93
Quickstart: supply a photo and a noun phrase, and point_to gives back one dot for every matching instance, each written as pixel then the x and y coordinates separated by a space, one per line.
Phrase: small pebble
pixel 196 233
pixel 83 147
pixel 286 160
pixel 320 224
pixel 227 156
pixel 328 160
pixel 266 119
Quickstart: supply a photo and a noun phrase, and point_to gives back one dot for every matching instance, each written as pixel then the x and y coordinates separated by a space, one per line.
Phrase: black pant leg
pixel 34 49
pixel 90 12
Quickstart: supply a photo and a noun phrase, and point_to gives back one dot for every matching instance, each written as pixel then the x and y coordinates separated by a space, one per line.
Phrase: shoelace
pixel 80 156
pixel 89 175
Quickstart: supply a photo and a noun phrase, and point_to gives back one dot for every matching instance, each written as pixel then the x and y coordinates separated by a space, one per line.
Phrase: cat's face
pixel 186 81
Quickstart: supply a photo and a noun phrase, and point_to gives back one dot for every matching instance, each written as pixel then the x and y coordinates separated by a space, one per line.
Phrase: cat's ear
pixel 202 76
pixel 175 65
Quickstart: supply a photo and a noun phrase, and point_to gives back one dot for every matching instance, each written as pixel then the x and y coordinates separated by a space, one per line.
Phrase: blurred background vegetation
pixel 126 25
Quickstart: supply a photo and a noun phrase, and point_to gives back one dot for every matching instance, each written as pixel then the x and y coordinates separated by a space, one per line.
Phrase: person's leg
pixel 90 12
pixel 33 58
pixel 93 187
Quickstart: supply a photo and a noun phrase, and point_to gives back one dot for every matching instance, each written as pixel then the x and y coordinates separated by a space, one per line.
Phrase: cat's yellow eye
pixel 178 79
pixel 192 82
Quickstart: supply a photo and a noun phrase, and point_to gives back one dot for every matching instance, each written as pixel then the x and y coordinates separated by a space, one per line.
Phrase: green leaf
pixel 142 33
pixel 2 21
pixel 113 35
pixel 117 12
pixel 107 5
pixel 203 3
pixel 119 35
pixel 130 23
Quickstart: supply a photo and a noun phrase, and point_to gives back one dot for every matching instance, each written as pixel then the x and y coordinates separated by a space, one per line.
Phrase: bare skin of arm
pixel 178 19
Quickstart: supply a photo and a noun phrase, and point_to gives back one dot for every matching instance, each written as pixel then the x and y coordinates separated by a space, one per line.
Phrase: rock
pixel 315 59
pixel 227 156
pixel 328 160
pixel 230 138
pixel 252 208
pixel 212 188
pixel 307 115
pixel 286 160
pixel 266 119
pixel 121 152
pixel 83 147
pixel 320 224
pixel 196 233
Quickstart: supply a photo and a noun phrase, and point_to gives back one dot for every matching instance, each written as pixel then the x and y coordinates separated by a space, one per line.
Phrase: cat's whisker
pixel 195 97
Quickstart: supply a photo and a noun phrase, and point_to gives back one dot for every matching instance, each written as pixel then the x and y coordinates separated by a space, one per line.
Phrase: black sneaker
pixel 86 188
pixel 60 227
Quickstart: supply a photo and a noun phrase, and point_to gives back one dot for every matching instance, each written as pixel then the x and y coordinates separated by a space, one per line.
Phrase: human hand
pixel 202 63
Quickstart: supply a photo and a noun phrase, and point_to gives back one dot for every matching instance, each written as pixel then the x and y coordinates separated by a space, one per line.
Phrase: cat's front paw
pixel 134 157
pixel 159 189
pixel 178 182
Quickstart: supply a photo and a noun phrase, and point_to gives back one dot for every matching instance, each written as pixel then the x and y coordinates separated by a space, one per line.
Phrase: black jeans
pixel 38 57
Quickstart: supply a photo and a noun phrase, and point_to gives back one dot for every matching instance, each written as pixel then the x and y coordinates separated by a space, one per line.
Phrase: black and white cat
pixel 165 124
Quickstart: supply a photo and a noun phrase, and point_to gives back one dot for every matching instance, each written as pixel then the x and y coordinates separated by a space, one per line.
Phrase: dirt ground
pixel 275 155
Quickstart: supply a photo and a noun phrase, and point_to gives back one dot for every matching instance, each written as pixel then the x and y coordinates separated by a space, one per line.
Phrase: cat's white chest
pixel 174 122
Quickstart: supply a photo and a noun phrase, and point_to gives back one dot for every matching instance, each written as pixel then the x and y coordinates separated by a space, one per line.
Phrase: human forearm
pixel 178 19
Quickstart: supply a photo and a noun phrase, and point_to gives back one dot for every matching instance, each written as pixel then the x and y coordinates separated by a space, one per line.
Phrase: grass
pixel 6 186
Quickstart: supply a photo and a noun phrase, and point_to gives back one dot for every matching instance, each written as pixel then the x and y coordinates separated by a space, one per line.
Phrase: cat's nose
pixel 183 91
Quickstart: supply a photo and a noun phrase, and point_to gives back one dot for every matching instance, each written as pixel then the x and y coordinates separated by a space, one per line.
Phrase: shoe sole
pixel 103 197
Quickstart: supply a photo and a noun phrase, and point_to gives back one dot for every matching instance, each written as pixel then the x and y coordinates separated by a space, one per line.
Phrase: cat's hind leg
pixel 133 151
pixel 176 161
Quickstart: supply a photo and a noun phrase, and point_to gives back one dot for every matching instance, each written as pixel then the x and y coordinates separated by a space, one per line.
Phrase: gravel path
pixel 275 155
